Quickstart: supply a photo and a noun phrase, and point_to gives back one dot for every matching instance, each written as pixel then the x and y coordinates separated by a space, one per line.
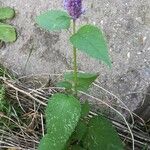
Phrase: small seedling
pixel 68 127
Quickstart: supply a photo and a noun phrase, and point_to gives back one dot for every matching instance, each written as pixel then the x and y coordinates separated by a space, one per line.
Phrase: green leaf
pixel 85 108
pixel 90 39
pixel 84 79
pixel 64 84
pixel 6 13
pixel 80 131
pixel 53 20
pixel 62 115
pixel 102 135
pixel 7 33
pixel 45 143
pixel 77 147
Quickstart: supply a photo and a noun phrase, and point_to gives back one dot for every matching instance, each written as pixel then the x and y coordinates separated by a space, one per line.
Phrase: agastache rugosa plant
pixel 67 123
pixel 74 8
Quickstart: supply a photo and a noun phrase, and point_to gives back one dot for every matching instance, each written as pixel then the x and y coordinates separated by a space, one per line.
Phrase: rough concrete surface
pixel 126 24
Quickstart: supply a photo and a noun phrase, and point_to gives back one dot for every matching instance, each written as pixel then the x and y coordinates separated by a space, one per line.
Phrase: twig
pixel 117 99
pixel 42 125
pixel 26 93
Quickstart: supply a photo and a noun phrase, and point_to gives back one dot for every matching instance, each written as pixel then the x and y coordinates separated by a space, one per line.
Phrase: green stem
pixel 75 68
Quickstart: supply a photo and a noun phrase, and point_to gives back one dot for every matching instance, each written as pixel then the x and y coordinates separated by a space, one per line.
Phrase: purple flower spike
pixel 74 8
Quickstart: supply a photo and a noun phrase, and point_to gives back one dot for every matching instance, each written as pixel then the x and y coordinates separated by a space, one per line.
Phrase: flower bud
pixel 74 8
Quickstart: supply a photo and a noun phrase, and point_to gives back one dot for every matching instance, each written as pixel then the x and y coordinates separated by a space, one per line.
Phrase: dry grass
pixel 26 126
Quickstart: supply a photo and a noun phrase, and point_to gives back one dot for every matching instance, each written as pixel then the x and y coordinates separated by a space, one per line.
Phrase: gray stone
pixel 126 24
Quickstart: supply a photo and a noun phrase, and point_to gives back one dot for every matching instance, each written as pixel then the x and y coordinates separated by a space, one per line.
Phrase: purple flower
pixel 74 8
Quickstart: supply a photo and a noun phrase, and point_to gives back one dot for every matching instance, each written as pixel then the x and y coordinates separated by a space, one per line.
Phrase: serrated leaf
pixel 6 13
pixel 102 135
pixel 91 40
pixel 62 115
pixel 85 108
pixel 7 33
pixel 53 20
pixel 84 80
pixel 64 84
